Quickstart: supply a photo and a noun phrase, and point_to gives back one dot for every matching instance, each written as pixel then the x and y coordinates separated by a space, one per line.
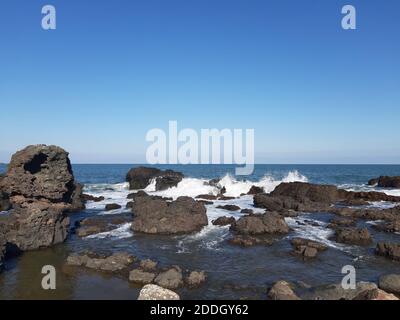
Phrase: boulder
pixel 390 283
pixel 140 276
pixel 282 290
pixel 170 279
pixel 375 294
pixel 353 236
pixel 141 177
pixel 386 182
pixel 206 197
pixel 250 241
pixel 88 197
pixel 390 226
pixel 112 206
pixel 268 223
pixel 340 222
pixel 157 216
pixel 148 265
pixel 196 278
pixel 103 223
pixel 77 199
pixel 154 292
pixel 247 211
pixel 388 250
pixel 307 248
pixel 223 221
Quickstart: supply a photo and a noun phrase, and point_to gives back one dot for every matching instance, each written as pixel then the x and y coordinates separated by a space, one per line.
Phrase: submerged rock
pixel 103 223
pixel 250 241
pixel 282 290
pixel 114 263
pixel 388 250
pixel 184 215
pixel 154 292
pixel 148 265
pixel 141 276
pixel 375 294
pixel 196 278
pixel 307 248
pixel 223 221
pixel 337 292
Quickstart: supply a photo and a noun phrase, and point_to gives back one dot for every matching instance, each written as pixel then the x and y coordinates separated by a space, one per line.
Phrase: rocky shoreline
pixel 38 195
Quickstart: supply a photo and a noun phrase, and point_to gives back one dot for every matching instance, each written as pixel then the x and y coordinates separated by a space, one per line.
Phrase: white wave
pixel 112 193
pixel 190 187
pixel 123 231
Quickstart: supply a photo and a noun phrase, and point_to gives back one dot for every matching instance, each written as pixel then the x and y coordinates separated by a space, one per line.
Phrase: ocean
pixel 232 272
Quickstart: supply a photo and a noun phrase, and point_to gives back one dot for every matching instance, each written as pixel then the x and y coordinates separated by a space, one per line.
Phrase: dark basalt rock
pixel 185 215
pixel 388 250
pixel 386 182
pixel 250 241
pixel 112 206
pixel 88 197
pixel 268 223
pixel 247 211
pixel 140 178
pixel 116 262
pixel 103 223
pixel 77 199
pixel 206 197
pixel 353 236
pixel 223 221
pixel 5 203
pixel 229 207
pixel 306 248
pixel 255 190
pixel 391 226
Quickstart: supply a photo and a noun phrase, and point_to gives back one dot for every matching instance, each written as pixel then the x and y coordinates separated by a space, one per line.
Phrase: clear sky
pixel 112 70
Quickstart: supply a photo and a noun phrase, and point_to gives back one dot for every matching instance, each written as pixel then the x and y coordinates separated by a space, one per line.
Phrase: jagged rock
pixel 388 250
pixel 154 292
pixel 140 178
pixel 98 224
pixel 207 197
pixel 225 198
pixel 77 199
pixel 375 294
pixel 339 222
pixel 353 236
pixel 170 279
pixel 391 226
pixel 223 221
pixel 390 283
pixel 255 190
pixel 247 211
pixel 140 276
pixel 268 223
pixel 229 207
pixel 282 290
pixel 386 182
pixel 88 197
pixel 112 206
pixel 185 215
pixel 196 278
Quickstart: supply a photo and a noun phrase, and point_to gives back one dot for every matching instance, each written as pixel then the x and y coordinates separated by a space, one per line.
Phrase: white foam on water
pixel 112 193
pixel 123 231
pixel 189 187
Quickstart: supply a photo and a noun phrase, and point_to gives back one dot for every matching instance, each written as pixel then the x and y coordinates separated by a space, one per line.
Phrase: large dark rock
pixel 223 221
pixel 255 190
pixel 388 250
pixel 41 189
pixel 185 215
pixel 5 203
pixel 386 182
pixel 77 199
pixel 390 283
pixel 140 178
pixel 103 223
pixel 268 223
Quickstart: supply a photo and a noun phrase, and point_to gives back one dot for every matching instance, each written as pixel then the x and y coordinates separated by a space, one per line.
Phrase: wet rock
pixel 114 263
pixel 229 207
pixel 168 179
pixel 247 211
pixel 255 190
pixel 170 279
pixel 196 278
pixel 386 182
pixel 307 248
pixel 353 202
pixel 337 292
pixel 282 290
pixel 77 199
pixel 140 178
pixel 206 197
pixel 250 241
pixel 135 195
pixel 5 203
pixel 353 236
pixel 112 206
pixel 154 292
pixel 142 277
pixel 148 265
pixel 392 226
pixel 88 197
pixel 375 294
pixel 390 283
pixel 223 221
pixel 185 215
pixel 225 198
pixel 205 202
pixel 388 250
pixel 268 223
pixel 339 222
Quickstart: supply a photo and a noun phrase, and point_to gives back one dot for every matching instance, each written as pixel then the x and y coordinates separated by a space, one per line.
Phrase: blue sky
pixel 313 92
